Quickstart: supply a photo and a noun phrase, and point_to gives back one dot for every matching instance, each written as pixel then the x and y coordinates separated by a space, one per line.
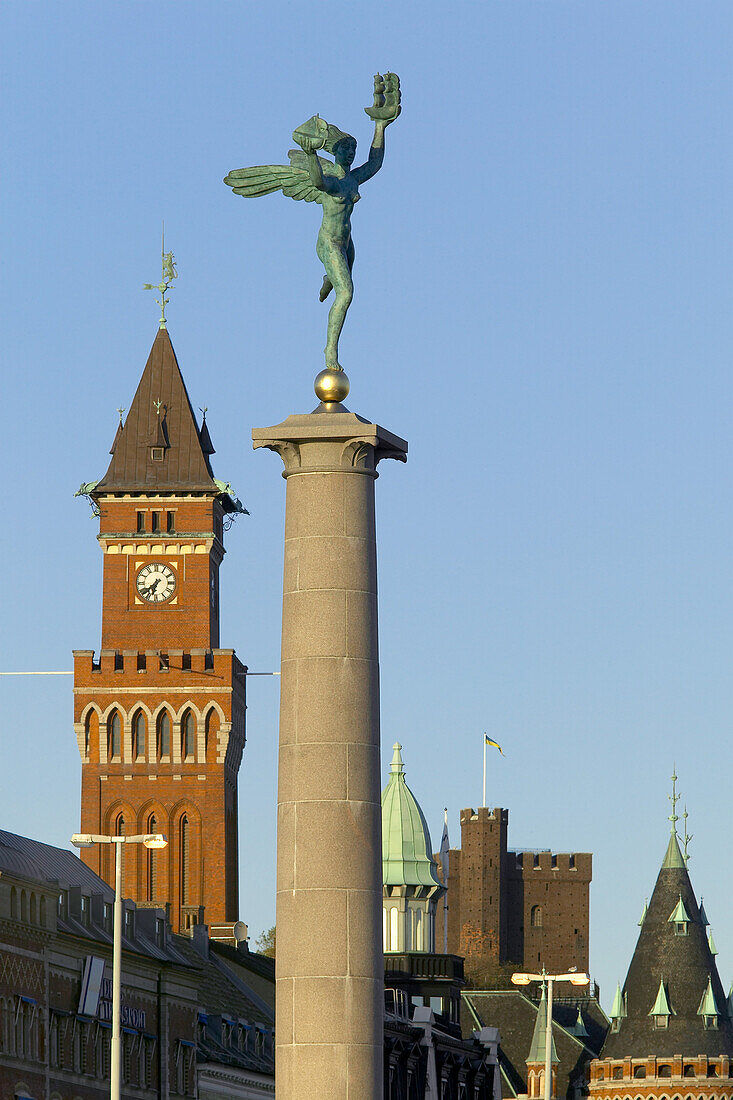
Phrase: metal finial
pixel 120 411
pixel 674 799
pixel 686 838
pixel 169 274
pixel 204 411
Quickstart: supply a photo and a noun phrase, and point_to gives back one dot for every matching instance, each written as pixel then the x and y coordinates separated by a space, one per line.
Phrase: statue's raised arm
pixel 335 186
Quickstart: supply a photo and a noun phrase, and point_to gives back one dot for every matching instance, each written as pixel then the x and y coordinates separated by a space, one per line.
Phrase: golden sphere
pixel 331 385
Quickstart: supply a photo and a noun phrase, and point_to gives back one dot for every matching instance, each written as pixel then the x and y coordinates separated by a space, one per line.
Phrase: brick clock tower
pixel 159 716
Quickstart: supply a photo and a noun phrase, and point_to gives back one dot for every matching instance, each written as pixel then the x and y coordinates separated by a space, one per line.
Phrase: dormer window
pixel 680 918
pixel 661 1009
pixel 709 1008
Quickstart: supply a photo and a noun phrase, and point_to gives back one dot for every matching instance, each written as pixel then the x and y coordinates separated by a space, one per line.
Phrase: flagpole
pixel 445 895
pixel 484 801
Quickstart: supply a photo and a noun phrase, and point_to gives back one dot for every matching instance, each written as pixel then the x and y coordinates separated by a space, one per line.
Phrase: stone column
pixel 329 964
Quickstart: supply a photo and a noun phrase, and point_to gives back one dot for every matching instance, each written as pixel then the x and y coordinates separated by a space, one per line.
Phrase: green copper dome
pixel 406 849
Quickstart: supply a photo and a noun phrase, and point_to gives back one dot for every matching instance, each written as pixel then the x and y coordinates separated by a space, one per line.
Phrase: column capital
pixel 330 442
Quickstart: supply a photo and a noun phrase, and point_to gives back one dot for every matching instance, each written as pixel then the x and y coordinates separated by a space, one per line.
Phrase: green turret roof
pixel 537 1046
pixel 673 856
pixel 406 849
pixel 618 1008
pixel 711 944
pixel 643 912
pixel 679 914
pixel 708 1004
pixel 578 1029
pixel 661 1005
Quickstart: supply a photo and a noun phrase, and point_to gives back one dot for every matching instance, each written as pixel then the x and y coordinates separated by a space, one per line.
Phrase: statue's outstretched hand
pixel 387 99
pixel 312 135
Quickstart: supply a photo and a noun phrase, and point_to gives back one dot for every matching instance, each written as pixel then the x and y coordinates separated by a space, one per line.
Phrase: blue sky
pixel 542 309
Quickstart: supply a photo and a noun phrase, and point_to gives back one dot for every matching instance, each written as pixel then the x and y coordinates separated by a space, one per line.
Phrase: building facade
pixel 159 712
pixel 196 1021
pixel 425 1053
pixel 527 908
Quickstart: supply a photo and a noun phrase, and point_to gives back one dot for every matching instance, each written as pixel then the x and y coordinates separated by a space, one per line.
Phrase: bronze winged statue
pixel 335 185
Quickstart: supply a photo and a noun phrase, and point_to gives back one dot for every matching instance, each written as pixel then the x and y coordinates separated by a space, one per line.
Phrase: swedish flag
pixel 496 745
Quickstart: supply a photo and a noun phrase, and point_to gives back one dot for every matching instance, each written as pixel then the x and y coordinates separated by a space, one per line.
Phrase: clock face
pixel 156 582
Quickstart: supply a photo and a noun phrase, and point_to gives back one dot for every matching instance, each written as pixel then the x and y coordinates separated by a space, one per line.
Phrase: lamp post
pixel 548 980
pixel 88 840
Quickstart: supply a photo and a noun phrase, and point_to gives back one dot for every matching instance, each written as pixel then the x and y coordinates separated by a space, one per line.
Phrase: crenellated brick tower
pixel 160 714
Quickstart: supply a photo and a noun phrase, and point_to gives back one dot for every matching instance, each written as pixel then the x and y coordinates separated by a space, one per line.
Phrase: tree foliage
pixel 265 943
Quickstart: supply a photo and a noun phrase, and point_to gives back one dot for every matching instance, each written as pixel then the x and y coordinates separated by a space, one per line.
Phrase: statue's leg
pixel 327 286
pixel 336 263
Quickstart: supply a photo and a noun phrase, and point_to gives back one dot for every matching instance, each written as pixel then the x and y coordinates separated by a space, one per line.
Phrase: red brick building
pixel 528 908
pixel 159 714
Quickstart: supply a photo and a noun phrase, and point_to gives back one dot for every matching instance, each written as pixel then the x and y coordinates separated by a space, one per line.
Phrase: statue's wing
pixel 294 182
pixel 299 160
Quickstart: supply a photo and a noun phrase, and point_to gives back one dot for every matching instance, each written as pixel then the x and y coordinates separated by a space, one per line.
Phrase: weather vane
pixel 674 799
pixel 169 274
pixel 334 185
pixel 687 837
pixel 120 411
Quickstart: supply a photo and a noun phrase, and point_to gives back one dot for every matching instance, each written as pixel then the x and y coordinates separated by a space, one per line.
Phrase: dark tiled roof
pixel 515 1015
pixel 57 864
pixel 185 464
pixel 14 862
pixel 221 990
pixel 684 963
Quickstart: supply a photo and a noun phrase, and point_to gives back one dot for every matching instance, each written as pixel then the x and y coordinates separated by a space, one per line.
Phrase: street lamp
pixel 88 840
pixel 524 979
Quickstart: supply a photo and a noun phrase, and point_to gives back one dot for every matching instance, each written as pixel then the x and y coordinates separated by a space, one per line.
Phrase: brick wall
pixel 161 660
pixel 524 908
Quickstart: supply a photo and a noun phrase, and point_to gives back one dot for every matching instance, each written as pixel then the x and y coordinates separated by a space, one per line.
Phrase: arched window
pixel 114 736
pixel 418 931
pixel 689 1071
pixel 119 825
pixel 618 1073
pixel 23 906
pixel 664 1071
pixel 188 736
pixel 33 909
pixel 639 1071
pixel 536 916
pixel 394 929
pixel 152 862
pixel 87 733
pixel 185 859
pixel 13 903
pixel 138 735
pixel 164 735
pixel 385 945
pixel 42 909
